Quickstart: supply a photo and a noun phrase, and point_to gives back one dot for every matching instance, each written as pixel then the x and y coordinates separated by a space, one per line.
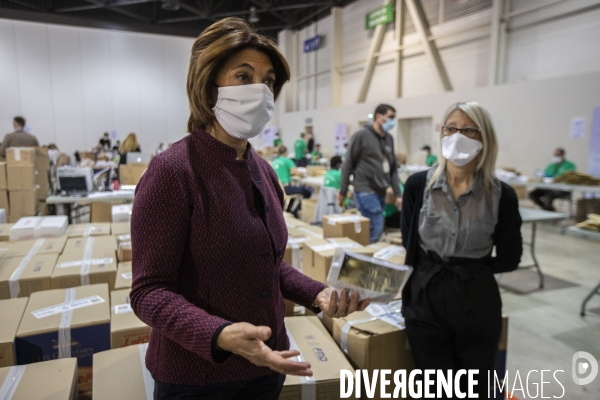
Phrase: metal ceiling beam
pixel 417 14
pixel 120 11
pixel 498 38
pixel 28 4
pixel 399 29
pixel 117 3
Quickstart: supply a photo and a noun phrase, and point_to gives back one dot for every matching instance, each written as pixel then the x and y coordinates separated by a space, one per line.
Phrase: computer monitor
pixel 75 179
pixel 138 158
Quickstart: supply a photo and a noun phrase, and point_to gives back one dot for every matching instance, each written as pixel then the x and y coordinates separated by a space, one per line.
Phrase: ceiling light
pixel 253 18
pixel 167 5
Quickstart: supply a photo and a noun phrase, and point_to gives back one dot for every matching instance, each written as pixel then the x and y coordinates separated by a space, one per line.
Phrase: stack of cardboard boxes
pixel 26 181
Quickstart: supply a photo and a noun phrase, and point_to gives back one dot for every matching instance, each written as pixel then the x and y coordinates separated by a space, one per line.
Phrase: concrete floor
pixel 545 328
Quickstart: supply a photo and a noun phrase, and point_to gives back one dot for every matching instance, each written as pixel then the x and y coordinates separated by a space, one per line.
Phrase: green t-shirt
pixel 316 154
pixel 431 159
pixel 283 169
pixel 299 148
pixel 555 170
pixel 277 142
pixel 332 179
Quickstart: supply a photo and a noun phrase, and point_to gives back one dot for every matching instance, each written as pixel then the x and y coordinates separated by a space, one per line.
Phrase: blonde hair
pixel 211 50
pixel 130 144
pixel 487 158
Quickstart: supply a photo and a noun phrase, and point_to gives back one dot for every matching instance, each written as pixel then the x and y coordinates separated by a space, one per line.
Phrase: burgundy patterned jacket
pixel 203 257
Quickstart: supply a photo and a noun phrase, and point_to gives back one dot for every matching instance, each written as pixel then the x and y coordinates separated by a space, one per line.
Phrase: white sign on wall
pixel 268 135
pixel 340 138
pixel 578 127
pixel 594 162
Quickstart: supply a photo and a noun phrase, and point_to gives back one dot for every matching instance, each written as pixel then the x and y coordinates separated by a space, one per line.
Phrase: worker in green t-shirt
pixel 545 197
pixel 284 169
pixel 277 142
pixel 316 154
pixel 430 159
pixel 334 175
pixel 300 151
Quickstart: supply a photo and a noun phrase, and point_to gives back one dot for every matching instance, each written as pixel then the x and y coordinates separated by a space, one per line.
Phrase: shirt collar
pixel 377 134
pixel 442 183
pixel 219 149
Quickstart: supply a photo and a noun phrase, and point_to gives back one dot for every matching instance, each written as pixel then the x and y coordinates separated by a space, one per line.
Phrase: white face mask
pixel 425 152
pixel 53 154
pixel 459 149
pixel 556 160
pixel 244 110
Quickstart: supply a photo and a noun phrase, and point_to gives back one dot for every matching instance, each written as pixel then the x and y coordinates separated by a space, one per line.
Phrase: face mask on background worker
pixel 556 160
pixel 459 149
pixel 244 110
pixel 389 124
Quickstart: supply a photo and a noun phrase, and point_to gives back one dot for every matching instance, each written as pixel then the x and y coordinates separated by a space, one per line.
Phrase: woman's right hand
pixel 247 340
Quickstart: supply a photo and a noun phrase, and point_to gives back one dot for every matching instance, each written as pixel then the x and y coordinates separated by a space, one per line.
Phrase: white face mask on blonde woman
pixel 459 149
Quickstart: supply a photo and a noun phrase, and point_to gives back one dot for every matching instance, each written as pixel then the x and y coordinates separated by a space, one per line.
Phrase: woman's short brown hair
pixel 211 51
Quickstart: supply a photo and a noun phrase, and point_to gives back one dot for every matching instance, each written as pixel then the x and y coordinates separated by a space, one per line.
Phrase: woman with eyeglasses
pixel 452 218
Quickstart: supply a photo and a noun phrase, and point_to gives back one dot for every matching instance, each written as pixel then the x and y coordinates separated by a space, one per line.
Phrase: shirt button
pixel 271 342
pixel 453 233
pixel 266 294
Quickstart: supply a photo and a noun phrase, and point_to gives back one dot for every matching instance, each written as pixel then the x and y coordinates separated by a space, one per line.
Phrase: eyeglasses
pixel 468 131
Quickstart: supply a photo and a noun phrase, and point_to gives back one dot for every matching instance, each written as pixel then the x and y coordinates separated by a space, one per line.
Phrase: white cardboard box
pixel 121 213
pixel 39 227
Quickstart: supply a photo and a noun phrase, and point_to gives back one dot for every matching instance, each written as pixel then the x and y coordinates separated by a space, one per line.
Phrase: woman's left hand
pixel 328 302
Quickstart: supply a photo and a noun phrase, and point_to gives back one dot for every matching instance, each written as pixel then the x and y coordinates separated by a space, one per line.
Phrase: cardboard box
pixel 389 252
pixel 120 229
pixel 84 230
pixel 3 177
pixel 316 170
pixel 38 338
pixel 20 156
pixel 295 247
pixel 50 380
pixel 292 222
pixel 70 270
pixel 123 280
pixel 131 174
pixel 34 247
pixel 99 245
pixel 100 212
pixel 5 233
pixel 42 160
pixel 11 311
pixel 351 226
pixel 41 180
pixel 308 335
pixel 126 328
pixel 121 374
pixel 39 227
pixel 30 274
pixel 21 177
pixel 124 253
pixel 309 206
pixel 24 202
pixel 4 201
pixel 318 255
pixel 121 213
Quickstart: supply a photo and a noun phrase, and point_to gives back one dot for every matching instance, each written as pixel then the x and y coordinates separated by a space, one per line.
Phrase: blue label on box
pixel 85 341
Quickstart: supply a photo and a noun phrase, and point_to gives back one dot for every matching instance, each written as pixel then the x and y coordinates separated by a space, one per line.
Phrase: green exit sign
pixel 379 16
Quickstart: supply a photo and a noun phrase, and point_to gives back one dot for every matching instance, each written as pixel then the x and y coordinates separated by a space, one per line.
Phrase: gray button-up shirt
pixel 462 227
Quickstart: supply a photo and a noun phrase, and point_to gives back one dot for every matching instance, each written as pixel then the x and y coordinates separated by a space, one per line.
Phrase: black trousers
pixel 305 191
pixel 453 316
pixel 544 197
pixel 262 388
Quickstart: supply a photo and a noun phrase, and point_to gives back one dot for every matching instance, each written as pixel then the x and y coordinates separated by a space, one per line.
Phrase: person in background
pixel 53 153
pixel 344 151
pixel 105 142
pixel 19 138
pixel 277 142
pixel 129 145
pixel 430 159
pixel 300 151
pixel 209 236
pixel 160 149
pixel 559 165
pixel 116 146
pixel 316 154
pixel 452 218
pixel 371 159
pixel 333 176
pixel 285 169
pixel 310 143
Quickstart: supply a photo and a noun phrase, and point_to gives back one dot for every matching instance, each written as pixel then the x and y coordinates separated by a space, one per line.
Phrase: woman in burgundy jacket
pixel 209 236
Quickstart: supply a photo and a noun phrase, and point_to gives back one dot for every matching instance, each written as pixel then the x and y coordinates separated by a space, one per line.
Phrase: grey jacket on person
pixel 365 158
pixel 18 139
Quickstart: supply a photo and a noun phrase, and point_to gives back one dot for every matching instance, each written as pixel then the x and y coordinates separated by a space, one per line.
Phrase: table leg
pixel 536 264
pixel 588 298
